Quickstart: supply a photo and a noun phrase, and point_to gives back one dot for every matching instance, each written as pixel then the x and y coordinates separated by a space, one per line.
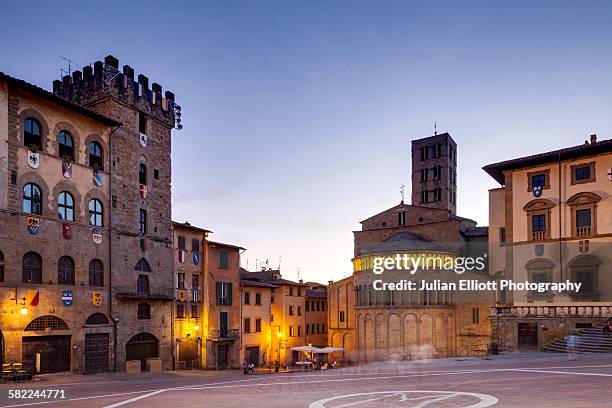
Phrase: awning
pixel 306 349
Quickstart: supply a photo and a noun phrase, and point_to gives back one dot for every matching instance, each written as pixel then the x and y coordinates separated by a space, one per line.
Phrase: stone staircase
pixel 590 340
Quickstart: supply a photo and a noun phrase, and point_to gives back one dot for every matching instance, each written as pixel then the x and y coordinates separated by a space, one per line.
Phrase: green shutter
pixel 218 288
pixel 229 293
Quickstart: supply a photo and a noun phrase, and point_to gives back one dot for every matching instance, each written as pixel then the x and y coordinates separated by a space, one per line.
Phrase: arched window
pixel 66 145
pixel 97 319
pixel 142 174
pixel 31 133
pixel 142 284
pixel 96 217
pixel 32 268
pixel 96 273
pixel 32 199
pixel 1 267
pixel 142 266
pixel 47 322
pixel 94 151
pixel 65 206
pixel 65 271
pixel 144 311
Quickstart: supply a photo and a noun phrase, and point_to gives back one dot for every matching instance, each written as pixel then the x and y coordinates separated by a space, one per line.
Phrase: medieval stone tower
pixel 434 172
pixel 139 178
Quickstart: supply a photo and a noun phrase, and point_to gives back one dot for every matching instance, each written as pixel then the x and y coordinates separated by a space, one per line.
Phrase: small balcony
pixel 222 334
pixel 583 231
pixel 127 292
pixel 538 235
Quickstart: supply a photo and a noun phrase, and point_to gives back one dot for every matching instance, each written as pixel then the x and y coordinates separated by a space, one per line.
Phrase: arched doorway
pixel 97 345
pixel 51 349
pixel 140 347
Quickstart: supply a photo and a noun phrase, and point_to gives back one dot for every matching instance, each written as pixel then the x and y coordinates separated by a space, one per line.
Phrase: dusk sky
pixel 298 116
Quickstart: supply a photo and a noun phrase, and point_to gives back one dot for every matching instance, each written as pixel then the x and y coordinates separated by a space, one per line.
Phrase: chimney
pixel 593 138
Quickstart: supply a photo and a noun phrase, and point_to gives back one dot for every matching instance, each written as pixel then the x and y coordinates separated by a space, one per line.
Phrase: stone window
pixel 142 123
pixel 257 325
pixel 43 323
pixel 96 273
pixel 258 299
pixel 142 284
pixel 583 173
pixel 195 245
pixel 66 145
pixel 96 217
pixel 247 325
pixel 180 310
pixel 94 152
pixel 538 219
pixel 299 310
pixel 142 222
pixel 32 199
pixel 475 315
pixel 502 235
pixel 181 242
pixel 142 174
pixel 65 271
pixel 341 316
pixel 65 206
pixel 584 269
pixel 247 298
pixel 142 266
pixel 1 267
pixel 290 310
pixel 31 134
pixel 194 311
pixel 223 261
pixel 95 319
pixel 144 311
pixel 538 179
pixel 583 207
pixel 156 174
pixel 32 268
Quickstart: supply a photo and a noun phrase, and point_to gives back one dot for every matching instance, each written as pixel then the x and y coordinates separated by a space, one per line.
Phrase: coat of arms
pixel 539 249
pixel 196 257
pixel 182 295
pixel 67 297
pixel 583 246
pixel 181 256
pixel 144 244
pixel 144 140
pixel 34 159
pixel 98 178
pixel 96 236
pixel 143 191
pixel 66 231
pixel 67 169
pixel 96 299
pixel 537 191
pixel 33 225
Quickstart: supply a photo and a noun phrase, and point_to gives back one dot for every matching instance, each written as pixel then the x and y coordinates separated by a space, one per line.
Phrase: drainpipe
pixel 110 246
pixel 560 237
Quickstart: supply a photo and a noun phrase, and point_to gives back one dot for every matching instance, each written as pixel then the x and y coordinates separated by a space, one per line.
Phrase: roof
pixel 405 207
pixel 189 226
pixel 404 241
pixel 35 90
pixel 247 282
pixel 316 293
pixel 496 170
pixel 477 231
pixel 213 243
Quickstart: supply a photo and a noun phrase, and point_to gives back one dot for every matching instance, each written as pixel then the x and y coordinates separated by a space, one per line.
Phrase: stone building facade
pixel 190 250
pixel 549 222
pixel 315 306
pixel 222 301
pixel 141 256
pixel 258 340
pixel 54 248
pixel 401 324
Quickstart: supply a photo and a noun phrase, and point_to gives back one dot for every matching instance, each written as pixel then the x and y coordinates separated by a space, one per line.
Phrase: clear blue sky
pixel 298 115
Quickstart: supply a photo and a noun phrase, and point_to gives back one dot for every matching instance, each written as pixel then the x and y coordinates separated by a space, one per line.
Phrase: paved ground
pixel 519 380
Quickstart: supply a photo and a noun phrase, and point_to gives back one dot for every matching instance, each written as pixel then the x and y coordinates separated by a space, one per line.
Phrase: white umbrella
pixel 306 349
pixel 326 350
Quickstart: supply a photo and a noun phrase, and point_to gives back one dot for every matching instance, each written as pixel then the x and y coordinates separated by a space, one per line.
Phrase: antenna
pixel 435 127
pixel 280 259
pixel 70 63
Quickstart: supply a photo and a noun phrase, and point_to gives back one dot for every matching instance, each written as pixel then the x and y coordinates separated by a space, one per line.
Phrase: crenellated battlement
pixel 105 79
